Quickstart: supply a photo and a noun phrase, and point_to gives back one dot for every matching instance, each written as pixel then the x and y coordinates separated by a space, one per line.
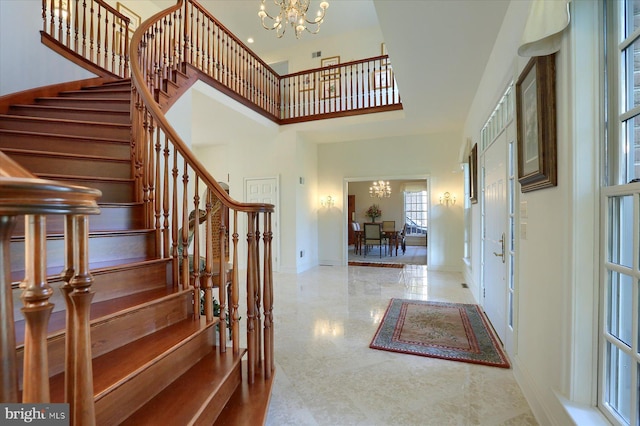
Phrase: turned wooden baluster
pixel 175 261
pixel 195 275
pixel 222 273
pixel 66 275
pixel 207 276
pixel 251 285
pixel 78 296
pixel 233 303
pixel 8 367
pixel 156 194
pixel 166 245
pixel 257 295
pixel 36 310
pixel 185 229
pixel 269 363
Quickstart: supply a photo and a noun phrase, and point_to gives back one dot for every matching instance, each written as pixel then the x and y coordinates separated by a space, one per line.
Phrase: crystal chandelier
pixel 293 12
pixel 380 189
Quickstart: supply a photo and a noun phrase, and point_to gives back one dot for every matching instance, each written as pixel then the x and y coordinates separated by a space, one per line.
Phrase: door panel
pixel 495 236
pixel 265 190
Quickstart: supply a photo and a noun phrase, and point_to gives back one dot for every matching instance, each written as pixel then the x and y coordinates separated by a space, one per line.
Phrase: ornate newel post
pixel 36 310
pixel 8 370
pixel 78 293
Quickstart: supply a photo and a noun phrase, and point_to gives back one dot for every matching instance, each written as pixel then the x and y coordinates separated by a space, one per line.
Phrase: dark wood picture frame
pixel 473 174
pixel 536 121
pixel 329 89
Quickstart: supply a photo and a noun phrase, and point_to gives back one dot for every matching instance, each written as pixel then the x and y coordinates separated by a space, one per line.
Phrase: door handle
pixel 502 248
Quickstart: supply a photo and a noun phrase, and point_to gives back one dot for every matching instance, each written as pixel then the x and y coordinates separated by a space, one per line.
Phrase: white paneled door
pixel 495 236
pixel 265 190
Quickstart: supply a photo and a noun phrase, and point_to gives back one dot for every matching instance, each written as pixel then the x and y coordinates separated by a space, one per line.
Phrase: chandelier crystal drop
pixel 380 189
pixel 294 13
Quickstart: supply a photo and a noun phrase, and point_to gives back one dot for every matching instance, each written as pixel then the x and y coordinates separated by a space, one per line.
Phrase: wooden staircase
pixel 154 361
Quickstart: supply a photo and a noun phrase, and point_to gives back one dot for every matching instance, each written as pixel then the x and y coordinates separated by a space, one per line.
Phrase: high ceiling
pixel 439 50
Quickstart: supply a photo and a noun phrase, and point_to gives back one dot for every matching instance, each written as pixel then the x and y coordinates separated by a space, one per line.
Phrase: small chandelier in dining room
pixel 294 13
pixel 380 189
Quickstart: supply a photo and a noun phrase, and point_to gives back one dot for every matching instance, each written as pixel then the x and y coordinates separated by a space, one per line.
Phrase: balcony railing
pixel 366 85
pixel 99 34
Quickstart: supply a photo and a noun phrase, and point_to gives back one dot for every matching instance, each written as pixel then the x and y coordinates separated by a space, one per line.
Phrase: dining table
pixel 393 238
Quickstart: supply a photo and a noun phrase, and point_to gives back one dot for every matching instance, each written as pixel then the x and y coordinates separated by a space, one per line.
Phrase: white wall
pixel 553 355
pixel 21 23
pixel 22 19
pixel 349 47
pixel 408 157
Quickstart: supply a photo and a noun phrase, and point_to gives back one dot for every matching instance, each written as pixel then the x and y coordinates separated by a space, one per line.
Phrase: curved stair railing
pixel 95 35
pixel 172 183
pixel 22 194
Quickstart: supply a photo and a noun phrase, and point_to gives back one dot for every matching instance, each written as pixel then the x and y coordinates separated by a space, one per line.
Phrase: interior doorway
pixel 398 208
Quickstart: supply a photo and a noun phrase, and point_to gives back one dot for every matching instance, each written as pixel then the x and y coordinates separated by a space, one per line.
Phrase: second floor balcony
pixel 192 37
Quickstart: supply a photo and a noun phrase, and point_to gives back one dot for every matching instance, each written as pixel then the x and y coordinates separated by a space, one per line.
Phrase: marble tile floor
pixel 326 373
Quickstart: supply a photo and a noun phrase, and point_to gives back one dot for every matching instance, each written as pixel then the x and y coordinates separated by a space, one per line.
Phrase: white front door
pixel 265 190
pixel 494 297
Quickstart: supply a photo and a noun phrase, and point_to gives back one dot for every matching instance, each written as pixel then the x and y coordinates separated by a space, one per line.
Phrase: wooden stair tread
pixel 91 178
pixel 80 98
pixel 249 404
pixel 93 235
pixel 63 108
pixel 53 274
pixel 119 365
pixel 65 155
pixel 99 310
pixel 62 120
pixel 201 382
pixel 59 136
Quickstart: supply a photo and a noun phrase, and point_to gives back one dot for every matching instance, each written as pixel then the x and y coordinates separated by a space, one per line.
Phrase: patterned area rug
pixel 376 264
pixel 453 331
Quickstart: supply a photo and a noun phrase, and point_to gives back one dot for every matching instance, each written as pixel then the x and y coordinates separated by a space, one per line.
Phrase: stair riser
pixel 119 330
pixel 64 144
pixel 102 248
pixel 105 104
pixel 121 402
pixel 111 218
pixel 50 164
pixel 96 130
pixel 112 191
pixel 108 284
pixel 118 86
pixel 72 114
pixel 211 412
pixel 99 94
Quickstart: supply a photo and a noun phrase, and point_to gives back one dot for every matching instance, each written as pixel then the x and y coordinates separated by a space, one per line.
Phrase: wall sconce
pixel 447 199
pixel 327 202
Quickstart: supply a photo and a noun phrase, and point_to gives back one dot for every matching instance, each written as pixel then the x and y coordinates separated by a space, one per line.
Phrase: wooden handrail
pixel 96 34
pixel 174 208
pixel 21 193
pixel 94 31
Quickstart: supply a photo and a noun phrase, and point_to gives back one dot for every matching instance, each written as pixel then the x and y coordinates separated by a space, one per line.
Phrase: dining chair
pixel 389 234
pixel 357 246
pixel 373 237
pixel 403 239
